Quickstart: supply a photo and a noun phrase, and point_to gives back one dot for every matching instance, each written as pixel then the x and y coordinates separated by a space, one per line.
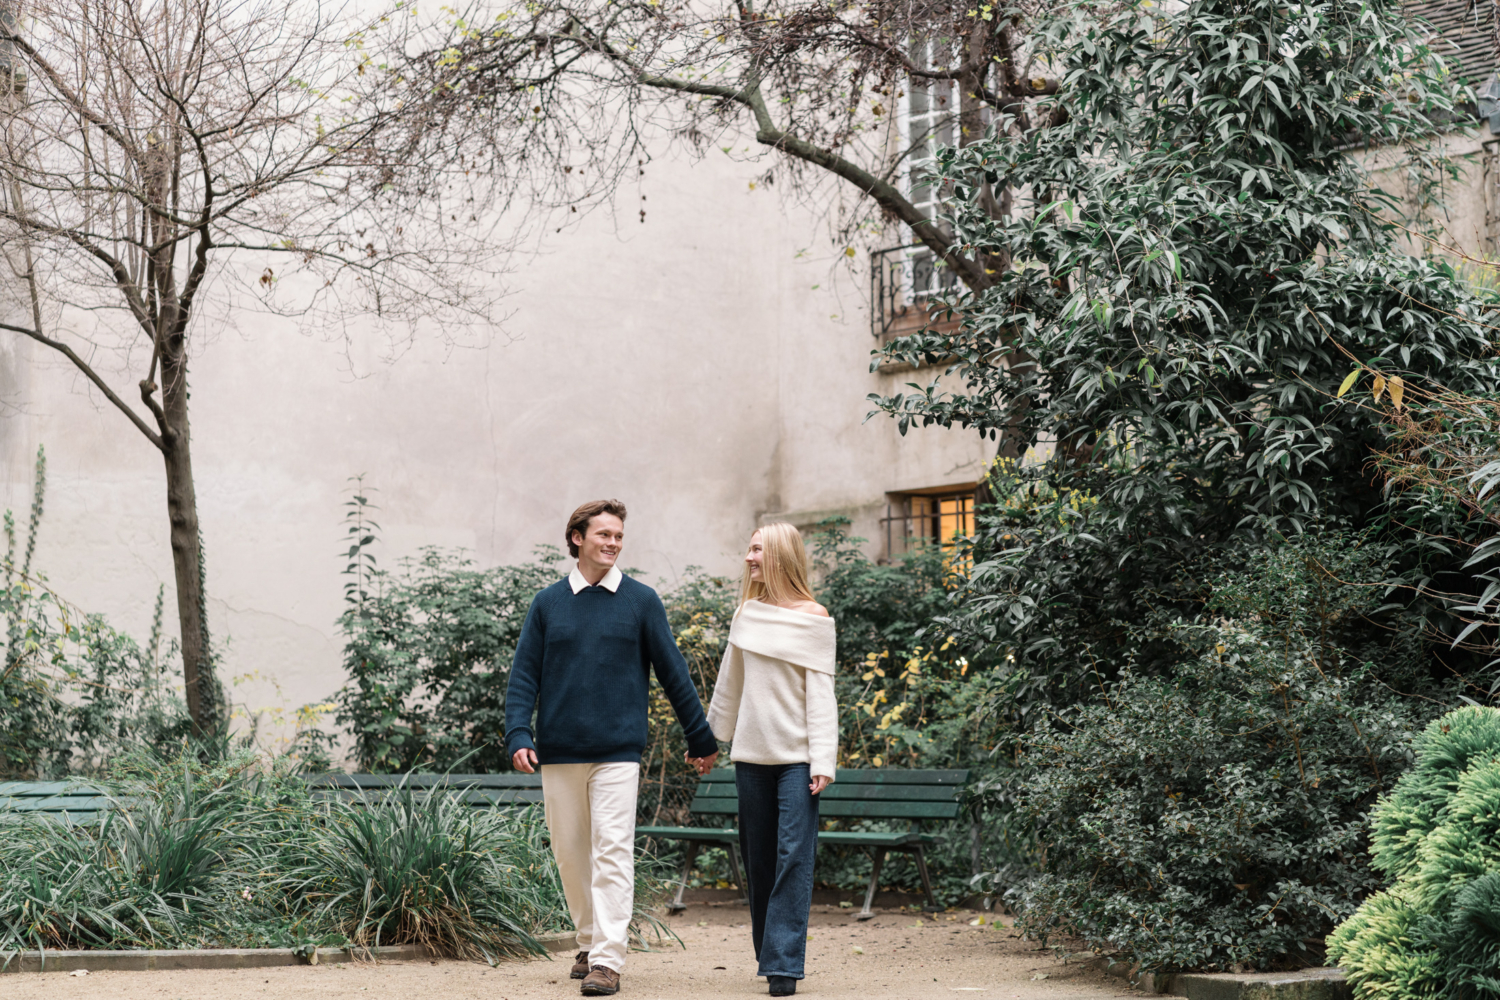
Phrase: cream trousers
pixel 590 812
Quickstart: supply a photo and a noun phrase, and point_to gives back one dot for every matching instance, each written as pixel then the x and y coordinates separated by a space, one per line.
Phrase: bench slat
pixel 687 833
pixel 372 781
pixel 889 810
pixel 862 838
pixel 867 776
pixel 58 803
pixel 873 838
pixel 474 797
pixel 896 776
pixel 715 807
pixel 867 793
pixel 40 789
pixel 871 809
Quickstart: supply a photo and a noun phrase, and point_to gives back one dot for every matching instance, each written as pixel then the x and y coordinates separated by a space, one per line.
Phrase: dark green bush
pixel 427 650
pixel 1436 931
pixel 1214 815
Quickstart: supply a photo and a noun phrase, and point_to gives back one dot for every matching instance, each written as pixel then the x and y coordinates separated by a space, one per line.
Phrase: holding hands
pixel 702 764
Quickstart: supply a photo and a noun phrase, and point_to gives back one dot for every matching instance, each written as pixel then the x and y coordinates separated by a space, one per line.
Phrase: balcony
pixel 907 290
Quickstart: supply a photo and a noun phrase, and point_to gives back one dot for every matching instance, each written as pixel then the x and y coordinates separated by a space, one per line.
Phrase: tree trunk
pixel 199 684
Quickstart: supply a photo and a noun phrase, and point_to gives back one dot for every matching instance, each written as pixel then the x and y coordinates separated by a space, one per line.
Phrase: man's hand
pixel 524 759
pixel 819 782
pixel 702 764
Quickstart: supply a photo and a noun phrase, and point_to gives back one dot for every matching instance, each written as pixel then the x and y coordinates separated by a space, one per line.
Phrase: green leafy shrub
pixel 1213 816
pixel 1172 322
pixel 1436 931
pixel 428 650
pixel 700 609
pixel 74 693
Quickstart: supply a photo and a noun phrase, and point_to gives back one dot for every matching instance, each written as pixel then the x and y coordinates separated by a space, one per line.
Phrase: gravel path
pixel 896 955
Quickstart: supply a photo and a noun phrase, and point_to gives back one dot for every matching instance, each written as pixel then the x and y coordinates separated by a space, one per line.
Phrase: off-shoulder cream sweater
pixel 774 698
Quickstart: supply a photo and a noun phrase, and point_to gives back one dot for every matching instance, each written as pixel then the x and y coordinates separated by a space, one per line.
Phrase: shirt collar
pixel 611 581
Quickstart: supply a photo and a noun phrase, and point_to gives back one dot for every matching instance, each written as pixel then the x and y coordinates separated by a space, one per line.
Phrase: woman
pixel 774 701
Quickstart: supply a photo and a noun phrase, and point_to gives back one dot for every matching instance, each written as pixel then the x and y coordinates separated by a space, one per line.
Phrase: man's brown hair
pixel 579 522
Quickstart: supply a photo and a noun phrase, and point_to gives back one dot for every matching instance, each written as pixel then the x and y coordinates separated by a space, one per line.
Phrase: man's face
pixel 602 542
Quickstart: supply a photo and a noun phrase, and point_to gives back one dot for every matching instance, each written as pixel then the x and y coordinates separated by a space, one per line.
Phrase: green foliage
pixel 430 869
pixel 1436 931
pixel 428 650
pixel 236 853
pixel 700 609
pixel 1195 264
pixel 1202 259
pixel 905 699
pixel 74 692
pixel 1213 816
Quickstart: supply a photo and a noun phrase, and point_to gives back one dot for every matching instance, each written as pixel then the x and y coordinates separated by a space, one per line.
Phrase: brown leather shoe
pixel 580 965
pixel 601 982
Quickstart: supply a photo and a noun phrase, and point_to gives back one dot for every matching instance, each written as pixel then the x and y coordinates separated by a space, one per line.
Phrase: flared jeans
pixel 778 840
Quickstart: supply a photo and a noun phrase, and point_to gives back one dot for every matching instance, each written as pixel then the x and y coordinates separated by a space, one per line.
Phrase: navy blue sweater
pixel 584 664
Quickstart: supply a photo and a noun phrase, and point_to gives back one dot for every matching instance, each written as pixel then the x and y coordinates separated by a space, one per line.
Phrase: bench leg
pixel 677 905
pixel 931 906
pixel 733 850
pixel 879 857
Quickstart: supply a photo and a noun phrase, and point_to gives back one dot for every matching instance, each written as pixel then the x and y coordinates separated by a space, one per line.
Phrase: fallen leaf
pixel 858 950
pixel 1039 975
pixel 79 972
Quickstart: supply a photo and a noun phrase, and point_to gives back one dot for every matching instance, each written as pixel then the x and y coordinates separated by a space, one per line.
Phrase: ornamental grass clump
pixel 431 869
pixel 237 853
pixel 1436 931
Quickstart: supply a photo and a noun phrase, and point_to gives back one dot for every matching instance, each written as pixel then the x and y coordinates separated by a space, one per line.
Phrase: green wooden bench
pixel 78 802
pixel 68 801
pixel 491 790
pixel 875 794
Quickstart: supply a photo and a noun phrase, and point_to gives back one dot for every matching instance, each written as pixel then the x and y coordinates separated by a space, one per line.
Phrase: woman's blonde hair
pixel 783 567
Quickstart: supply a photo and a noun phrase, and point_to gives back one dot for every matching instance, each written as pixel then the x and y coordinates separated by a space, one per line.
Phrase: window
pixel 930 517
pixel 931 115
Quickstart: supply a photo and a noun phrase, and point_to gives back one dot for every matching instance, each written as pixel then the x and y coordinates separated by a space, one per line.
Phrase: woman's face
pixel 753 557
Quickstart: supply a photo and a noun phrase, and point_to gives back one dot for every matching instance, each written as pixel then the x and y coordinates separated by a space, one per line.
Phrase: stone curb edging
pixel 1307 984
pixel 231 958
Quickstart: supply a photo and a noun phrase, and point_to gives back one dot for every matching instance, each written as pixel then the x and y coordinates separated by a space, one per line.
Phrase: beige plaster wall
pixel 687 365
pixel 1463 216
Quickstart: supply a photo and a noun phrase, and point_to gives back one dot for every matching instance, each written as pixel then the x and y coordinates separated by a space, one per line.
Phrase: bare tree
pixel 160 156
pixel 561 92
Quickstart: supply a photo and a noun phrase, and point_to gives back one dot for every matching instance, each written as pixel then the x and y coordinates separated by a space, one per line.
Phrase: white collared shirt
pixel 611 581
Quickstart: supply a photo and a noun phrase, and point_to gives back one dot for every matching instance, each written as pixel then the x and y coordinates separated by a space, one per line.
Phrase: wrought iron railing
pixel 928 519
pixel 902 279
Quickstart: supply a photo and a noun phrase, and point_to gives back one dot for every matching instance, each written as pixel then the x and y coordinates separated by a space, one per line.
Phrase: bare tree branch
pixel 93 376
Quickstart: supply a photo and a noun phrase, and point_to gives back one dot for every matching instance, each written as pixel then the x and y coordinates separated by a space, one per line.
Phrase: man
pixel 583 664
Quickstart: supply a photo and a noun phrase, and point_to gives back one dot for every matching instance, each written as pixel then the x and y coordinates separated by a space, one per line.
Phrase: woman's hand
pixel 702 764
pixel 819 782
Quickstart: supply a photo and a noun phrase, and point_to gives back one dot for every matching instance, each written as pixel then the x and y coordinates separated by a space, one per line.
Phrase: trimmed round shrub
pixel 1435 933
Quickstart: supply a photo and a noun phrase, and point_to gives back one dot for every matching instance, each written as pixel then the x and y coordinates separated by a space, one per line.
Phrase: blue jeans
pixel 778 840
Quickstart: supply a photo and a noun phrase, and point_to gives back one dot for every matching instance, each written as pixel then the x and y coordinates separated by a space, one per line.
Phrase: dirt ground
pixel 896 955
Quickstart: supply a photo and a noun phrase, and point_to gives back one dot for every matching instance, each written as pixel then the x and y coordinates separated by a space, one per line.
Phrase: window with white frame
pixel 930 121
